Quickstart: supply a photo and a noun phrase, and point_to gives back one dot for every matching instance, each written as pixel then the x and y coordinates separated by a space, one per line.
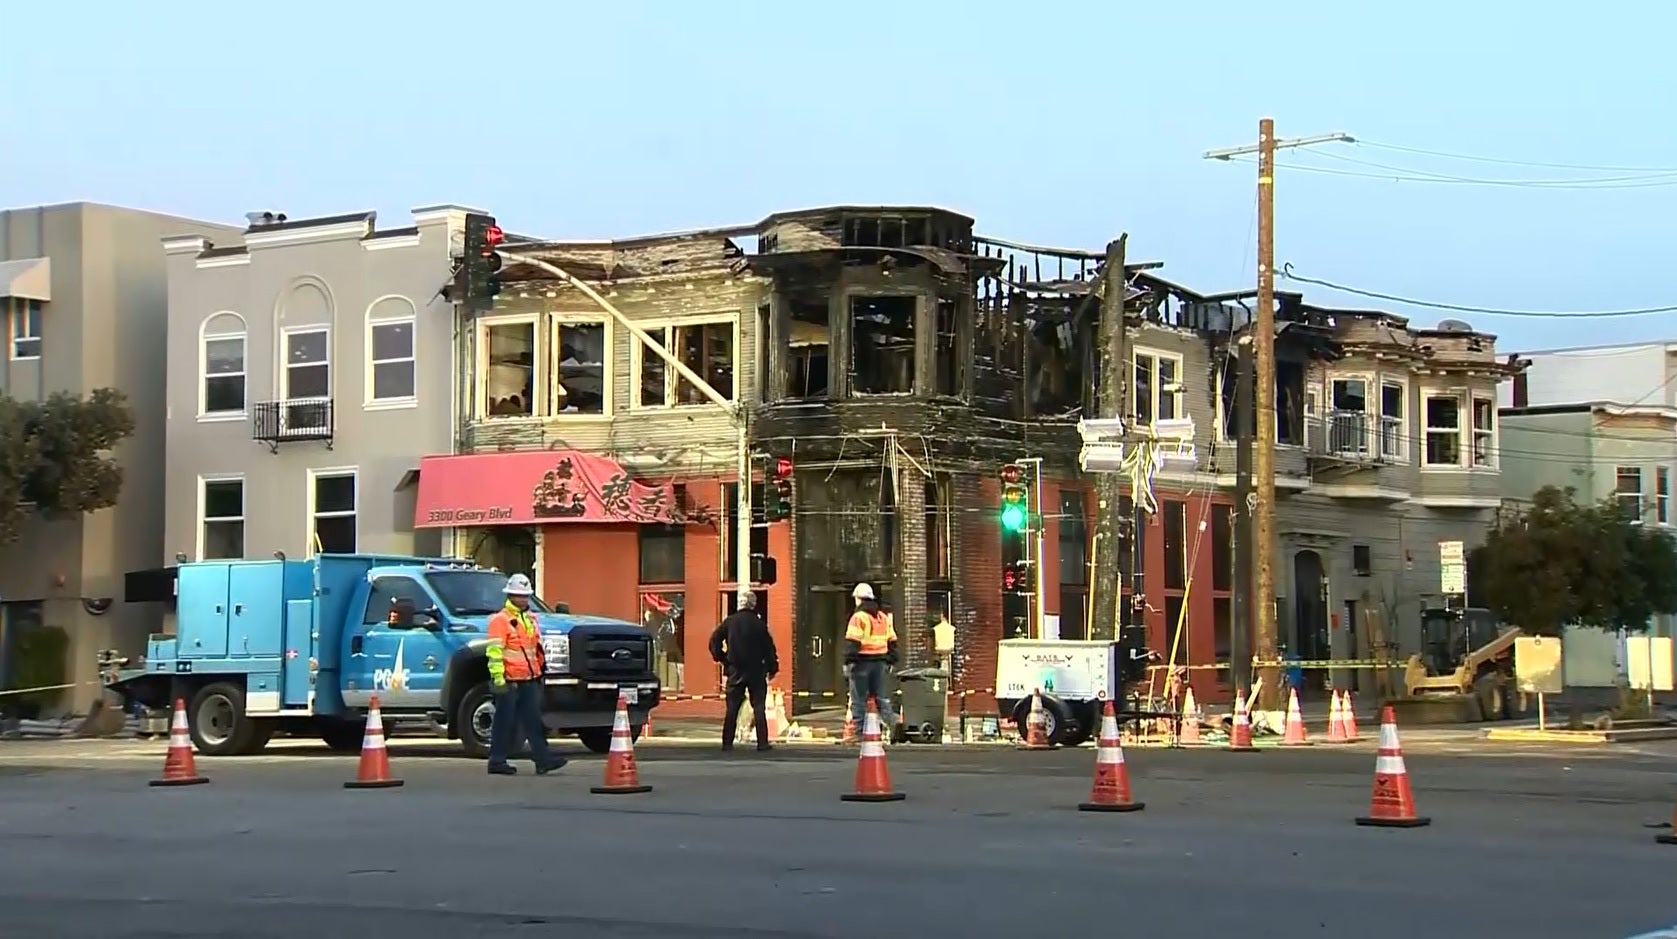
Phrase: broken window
pixel 765 334
pixel 579 372
pixel 882 345
pixel 1054 371
pixel 946 356
pixel 1158 389
pixel 1289 402
pixel 809 337
pixel 1348 407
pixel 508 371
pixel 706 348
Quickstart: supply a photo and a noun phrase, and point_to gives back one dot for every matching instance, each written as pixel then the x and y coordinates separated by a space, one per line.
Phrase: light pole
pixel 736 409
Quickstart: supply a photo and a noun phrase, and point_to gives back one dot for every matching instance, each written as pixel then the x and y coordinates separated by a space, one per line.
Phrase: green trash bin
pixel 924 703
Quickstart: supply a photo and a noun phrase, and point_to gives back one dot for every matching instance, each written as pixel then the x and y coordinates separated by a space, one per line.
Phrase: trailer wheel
pixel 218 722
pixel 1054 714
pixel 1492 693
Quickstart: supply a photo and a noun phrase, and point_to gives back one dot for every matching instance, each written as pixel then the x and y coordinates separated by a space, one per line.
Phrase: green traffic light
pixel 1013 516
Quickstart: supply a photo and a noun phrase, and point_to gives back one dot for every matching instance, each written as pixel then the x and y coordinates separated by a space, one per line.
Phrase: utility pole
pixel 1263 358
pixel 1106 593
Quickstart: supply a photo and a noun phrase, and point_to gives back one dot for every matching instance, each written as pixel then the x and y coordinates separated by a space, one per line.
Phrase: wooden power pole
pixel 1106 593
pixel 1263 449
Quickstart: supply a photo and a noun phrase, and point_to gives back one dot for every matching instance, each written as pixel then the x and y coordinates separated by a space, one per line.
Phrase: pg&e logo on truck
pixel 394 678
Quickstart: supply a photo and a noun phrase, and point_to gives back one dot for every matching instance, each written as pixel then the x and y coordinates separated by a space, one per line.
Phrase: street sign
pixel 1452 568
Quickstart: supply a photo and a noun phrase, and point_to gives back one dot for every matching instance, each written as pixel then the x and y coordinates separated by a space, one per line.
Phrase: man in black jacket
pixel 743 646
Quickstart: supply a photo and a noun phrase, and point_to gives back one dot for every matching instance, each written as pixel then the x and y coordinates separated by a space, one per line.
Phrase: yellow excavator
pixel 1464 672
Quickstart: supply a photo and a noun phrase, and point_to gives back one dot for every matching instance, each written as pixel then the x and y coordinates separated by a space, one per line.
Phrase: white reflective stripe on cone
pixel 620 722
pixel 1388 737
pixel 873 748
pixel 373 741
pixel 1109 755
pixel 1389 766
pixel 619 744
pixel 870 726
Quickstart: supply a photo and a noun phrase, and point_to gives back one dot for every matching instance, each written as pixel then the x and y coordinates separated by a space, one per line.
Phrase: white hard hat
pixel 519 586
pixel 862 592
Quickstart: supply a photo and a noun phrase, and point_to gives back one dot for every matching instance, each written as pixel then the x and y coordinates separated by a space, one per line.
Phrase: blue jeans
pixel 867 677
pixel 521 704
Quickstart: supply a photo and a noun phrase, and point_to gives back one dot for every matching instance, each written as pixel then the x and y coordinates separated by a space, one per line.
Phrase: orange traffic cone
pixel 1348 717
pixel 1393 804
pixel 1111 792
pixel 1036 726
pixel 873 777
pixel 1295 735
pixel 1190 734
pixel 623 777
pixel 374 771
pixel 179 769
pixel 849 721
pixel 1240 735
pixel 1336 719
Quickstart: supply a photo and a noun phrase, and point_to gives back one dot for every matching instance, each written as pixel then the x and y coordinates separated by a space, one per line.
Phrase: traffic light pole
pixel 1038 543
pixel 741 416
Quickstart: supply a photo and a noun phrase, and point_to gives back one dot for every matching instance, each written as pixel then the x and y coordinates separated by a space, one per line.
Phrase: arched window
pixel 221 366
pixel 391 353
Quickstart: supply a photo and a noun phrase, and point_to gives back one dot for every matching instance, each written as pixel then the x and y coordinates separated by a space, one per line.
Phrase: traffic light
pixel 777 491
pixel 1018 577
pixel 481 264
pixel 1015 499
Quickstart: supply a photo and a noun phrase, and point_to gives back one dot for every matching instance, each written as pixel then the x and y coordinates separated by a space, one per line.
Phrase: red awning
pixel 534 487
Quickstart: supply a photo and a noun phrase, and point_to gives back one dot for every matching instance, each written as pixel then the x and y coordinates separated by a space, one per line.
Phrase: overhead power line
pixel 1288 273
pixel 1446 155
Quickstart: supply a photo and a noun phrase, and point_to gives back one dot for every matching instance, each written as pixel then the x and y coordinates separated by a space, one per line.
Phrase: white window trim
pixel 244 502
pixel 608 372
pixel 480 372
pixel 370 401
pixel 285 363
pixel 1464 424
pixel 1662 500
pixel 315 475
pixel 1641 489
pixel 670 376
pixel 17 311
pixel 205 337
pixel 1141 352
pixel 1400 431
pixel 1371 409
pixel 1492 460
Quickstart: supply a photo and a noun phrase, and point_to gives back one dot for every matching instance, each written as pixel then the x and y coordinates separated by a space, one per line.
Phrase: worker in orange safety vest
pixel 516 666
pixel 870 648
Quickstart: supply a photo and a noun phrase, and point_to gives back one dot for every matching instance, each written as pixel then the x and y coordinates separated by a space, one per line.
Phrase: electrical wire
pixel 1446 155
pixel 1404 175
pixel 1668 176
pixel 1288 273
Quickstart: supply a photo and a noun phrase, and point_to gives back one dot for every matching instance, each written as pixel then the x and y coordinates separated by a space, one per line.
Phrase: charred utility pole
pixel 1263 447
pixel 1112 341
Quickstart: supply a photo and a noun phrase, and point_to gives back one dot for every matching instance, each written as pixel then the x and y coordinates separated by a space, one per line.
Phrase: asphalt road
pixel 1536 843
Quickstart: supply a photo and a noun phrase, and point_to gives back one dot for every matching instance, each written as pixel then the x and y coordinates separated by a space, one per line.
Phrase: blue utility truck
pixel 301 646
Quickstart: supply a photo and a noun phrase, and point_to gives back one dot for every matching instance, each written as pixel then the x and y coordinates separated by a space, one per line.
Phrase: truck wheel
pixel 598 739
pixel 218 722
pixel 343 736
pixel 473 719
pixel 1079 727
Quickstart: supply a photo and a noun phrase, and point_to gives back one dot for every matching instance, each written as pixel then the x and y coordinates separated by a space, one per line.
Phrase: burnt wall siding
pixel 695 438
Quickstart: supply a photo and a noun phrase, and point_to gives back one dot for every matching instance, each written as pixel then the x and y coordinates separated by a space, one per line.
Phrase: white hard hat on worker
pixel 862 592
pixel 519 586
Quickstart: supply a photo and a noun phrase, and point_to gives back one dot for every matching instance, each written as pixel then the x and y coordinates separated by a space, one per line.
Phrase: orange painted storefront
pixel 594 567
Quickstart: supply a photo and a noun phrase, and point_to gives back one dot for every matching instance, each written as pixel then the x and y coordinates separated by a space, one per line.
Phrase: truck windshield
pixel 474 593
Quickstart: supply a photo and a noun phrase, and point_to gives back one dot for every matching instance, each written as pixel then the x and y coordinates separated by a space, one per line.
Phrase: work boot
pixel 504 769
pixel 553 765
pixel 764 747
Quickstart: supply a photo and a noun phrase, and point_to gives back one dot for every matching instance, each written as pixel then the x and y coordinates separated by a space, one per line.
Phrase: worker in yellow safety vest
pixel 870 647
pixel 517 663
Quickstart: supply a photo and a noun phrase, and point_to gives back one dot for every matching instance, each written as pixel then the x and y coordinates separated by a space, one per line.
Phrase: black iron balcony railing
pixel 293 421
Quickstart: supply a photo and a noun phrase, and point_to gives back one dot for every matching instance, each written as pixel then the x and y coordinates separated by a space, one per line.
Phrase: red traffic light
pixel 1010 579
pixel 493 235
pixel 1011 473
pixel 782 468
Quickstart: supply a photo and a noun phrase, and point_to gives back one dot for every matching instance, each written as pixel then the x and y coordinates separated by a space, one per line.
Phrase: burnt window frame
pixel 915 319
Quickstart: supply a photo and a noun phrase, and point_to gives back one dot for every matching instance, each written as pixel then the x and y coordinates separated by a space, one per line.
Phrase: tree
pixel 1559 563
pixel 55 456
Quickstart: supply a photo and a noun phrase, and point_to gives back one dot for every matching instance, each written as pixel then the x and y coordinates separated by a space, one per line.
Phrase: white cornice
pixel 185 244
pixel 392 241
pixel 225 260
pixel 359 228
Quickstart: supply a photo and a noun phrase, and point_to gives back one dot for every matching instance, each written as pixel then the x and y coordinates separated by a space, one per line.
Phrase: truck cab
pixel 302 647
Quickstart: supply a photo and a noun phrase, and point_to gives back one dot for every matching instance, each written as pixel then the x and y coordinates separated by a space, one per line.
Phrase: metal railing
pixel 297 419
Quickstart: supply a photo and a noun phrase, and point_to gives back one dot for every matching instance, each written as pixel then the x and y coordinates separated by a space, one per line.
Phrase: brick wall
pixel 913 637
pixel 978 588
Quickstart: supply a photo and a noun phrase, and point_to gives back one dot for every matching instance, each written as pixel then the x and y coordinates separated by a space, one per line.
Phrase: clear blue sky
pixel 1054 123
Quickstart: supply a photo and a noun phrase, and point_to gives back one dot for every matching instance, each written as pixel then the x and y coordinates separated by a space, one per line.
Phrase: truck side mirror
pixel 425 620
pixel 562 608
